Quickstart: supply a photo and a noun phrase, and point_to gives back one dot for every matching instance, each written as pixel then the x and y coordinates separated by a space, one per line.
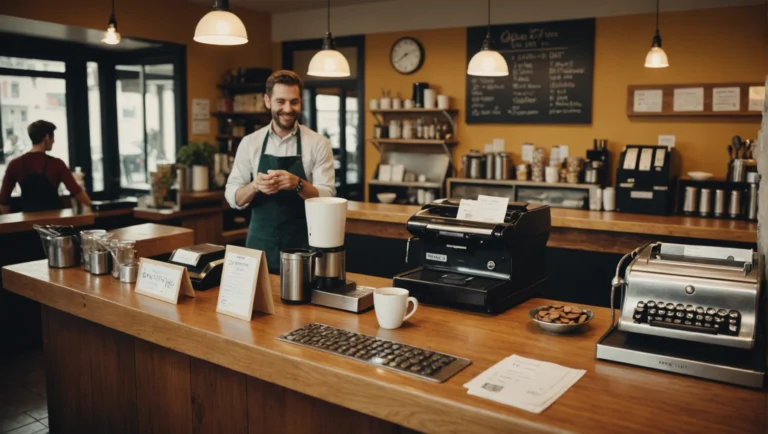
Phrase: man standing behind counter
pixel 39 175
pixel 278 167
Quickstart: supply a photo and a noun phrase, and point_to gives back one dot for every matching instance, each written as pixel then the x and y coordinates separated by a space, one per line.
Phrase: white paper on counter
pixel 498 145
pixel 689 100
pixel 238 283
pixel 726 99
pixel 756 98
pixel 524 383
pixel 487 209
pixel 648 101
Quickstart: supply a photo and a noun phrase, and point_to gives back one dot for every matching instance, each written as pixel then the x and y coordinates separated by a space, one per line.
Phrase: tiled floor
pixel 23 409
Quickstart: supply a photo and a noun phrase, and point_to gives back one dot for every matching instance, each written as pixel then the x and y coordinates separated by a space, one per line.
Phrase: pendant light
pixel 328 62
pixel 488 62
pixel 111 36
pixel 220 26
pixel 656 57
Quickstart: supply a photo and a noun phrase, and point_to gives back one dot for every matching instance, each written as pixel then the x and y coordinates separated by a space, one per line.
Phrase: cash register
pixel 479 266
pixel 204 263
pixel 692 310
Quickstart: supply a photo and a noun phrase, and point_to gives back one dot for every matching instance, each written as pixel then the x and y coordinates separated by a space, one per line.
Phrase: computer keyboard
pixel 382 353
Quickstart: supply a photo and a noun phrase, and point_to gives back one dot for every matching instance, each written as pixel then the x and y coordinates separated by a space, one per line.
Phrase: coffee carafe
pixel 326 223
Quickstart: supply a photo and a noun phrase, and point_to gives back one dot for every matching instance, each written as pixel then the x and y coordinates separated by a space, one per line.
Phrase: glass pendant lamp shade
pixel 221 27
pixel 328 62
pixel 488 63
pixel 656 58
pixel 111 36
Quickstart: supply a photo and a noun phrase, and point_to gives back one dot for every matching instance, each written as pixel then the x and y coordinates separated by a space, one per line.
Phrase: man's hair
pixel 288 78
pixel 39 129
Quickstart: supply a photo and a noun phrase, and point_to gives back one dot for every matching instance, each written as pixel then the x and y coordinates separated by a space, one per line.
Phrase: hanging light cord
pixel 113 8
pixel 657 15
pixel 489 16
pixel 329 16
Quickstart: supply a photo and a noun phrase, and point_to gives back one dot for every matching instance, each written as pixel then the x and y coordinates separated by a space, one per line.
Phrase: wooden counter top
pixel 609 398
pixel 168 214
pixel 673 226
pixel 23 221
pixel 153 239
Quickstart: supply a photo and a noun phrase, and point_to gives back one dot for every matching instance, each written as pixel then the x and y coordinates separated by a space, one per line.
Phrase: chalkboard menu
pixel 550 74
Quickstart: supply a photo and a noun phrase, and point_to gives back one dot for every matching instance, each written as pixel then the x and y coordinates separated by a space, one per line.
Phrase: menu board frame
pixel 551 77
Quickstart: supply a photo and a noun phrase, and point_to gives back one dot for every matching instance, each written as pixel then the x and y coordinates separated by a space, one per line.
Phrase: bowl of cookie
pixel 561 318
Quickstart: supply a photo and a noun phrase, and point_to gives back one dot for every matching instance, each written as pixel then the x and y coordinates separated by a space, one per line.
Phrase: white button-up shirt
pixel 316 156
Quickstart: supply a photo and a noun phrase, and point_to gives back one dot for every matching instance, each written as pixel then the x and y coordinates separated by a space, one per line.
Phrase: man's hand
pixel 264 183
pixel 283 180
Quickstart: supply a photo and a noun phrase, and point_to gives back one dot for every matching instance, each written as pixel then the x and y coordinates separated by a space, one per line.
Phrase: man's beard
pixel 279 122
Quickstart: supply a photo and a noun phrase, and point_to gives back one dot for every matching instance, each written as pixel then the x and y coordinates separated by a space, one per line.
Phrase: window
pixel 94 125
pixel 26 96
pixel 146 121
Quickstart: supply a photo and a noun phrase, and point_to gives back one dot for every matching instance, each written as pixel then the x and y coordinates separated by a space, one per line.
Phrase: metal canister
pixel 719 203
pixel 129 272
pixel 101 262
pixel 490 162
pixel 705 202
pixel 501 166
pixel 734 204
pixel 752 208
pixel 691 200
pixel 296 275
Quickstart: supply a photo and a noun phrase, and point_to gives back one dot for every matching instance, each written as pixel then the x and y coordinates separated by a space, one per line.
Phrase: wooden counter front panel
pixel 95 386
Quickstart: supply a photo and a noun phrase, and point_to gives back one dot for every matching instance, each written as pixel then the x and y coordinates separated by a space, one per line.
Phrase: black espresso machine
pixel 487 267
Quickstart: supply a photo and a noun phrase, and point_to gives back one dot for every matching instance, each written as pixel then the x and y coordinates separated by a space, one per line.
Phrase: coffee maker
pixel 326 221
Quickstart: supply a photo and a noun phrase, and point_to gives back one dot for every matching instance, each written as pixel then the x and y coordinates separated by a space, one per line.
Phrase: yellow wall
pixel 166 20
pixel 703 46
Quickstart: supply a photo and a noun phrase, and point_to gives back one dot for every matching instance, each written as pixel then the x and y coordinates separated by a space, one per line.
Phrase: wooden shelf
pixel 416 110
pixel 518 183
pixel 264 113
pixel 414 142
pixel 405 184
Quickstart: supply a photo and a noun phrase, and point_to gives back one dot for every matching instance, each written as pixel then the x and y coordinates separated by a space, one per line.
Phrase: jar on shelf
pixel 522 172
pixel 408 129
pixel 420 128
pixel 395 130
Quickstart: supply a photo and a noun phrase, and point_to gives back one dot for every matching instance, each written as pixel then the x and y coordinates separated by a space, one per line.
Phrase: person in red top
pixel 39 175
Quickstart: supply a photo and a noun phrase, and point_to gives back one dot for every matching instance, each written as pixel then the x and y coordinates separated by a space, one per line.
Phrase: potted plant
pixel 198 156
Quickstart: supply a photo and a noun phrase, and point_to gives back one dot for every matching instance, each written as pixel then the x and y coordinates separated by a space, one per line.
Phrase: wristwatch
pixel 299 186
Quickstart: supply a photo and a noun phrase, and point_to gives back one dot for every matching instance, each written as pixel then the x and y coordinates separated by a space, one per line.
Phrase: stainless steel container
pixel 734 204
pixel 490 162
pixel 101 262
pixel 87 240
pixel 296 275
pixel 719 203
pixel 752 208
pixel 123 252
pixel 691 200
pixel 738 170
pixel 705 202
pixel 129 272
pixel 61 245
pixel 473 164
pixel 501 166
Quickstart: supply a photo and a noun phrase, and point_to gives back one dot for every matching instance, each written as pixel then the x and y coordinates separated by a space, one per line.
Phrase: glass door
pixel 333 112
pixel 146 121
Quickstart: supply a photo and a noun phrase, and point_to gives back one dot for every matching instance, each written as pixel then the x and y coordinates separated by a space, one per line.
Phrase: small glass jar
pixel 395 129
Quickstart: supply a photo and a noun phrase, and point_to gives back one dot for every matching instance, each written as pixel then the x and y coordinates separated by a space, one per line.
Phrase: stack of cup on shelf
pixel 538 164
pixel 574 166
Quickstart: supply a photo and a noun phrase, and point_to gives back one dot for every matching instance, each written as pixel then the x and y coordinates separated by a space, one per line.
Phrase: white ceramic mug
pixel 430 98
pixel 551 175
pixel 391 305
pixel 609 199
pixel 408 104
pixel 385 103
pixel 443 102
pixel 396 105
pixel 373 104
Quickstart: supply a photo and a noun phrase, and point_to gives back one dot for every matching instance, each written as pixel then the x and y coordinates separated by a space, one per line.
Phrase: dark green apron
pixel 278 221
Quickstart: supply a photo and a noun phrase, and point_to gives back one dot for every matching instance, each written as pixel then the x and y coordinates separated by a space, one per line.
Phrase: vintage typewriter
pixel 693 310
pixel 478 266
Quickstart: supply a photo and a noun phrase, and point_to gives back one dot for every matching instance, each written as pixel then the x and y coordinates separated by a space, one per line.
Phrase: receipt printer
pixel 204 263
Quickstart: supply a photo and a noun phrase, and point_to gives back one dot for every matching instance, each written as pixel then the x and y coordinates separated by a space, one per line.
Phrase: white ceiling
pixel 276 6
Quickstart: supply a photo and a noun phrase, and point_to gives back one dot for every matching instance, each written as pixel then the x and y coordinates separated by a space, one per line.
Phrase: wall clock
pixel 407 55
